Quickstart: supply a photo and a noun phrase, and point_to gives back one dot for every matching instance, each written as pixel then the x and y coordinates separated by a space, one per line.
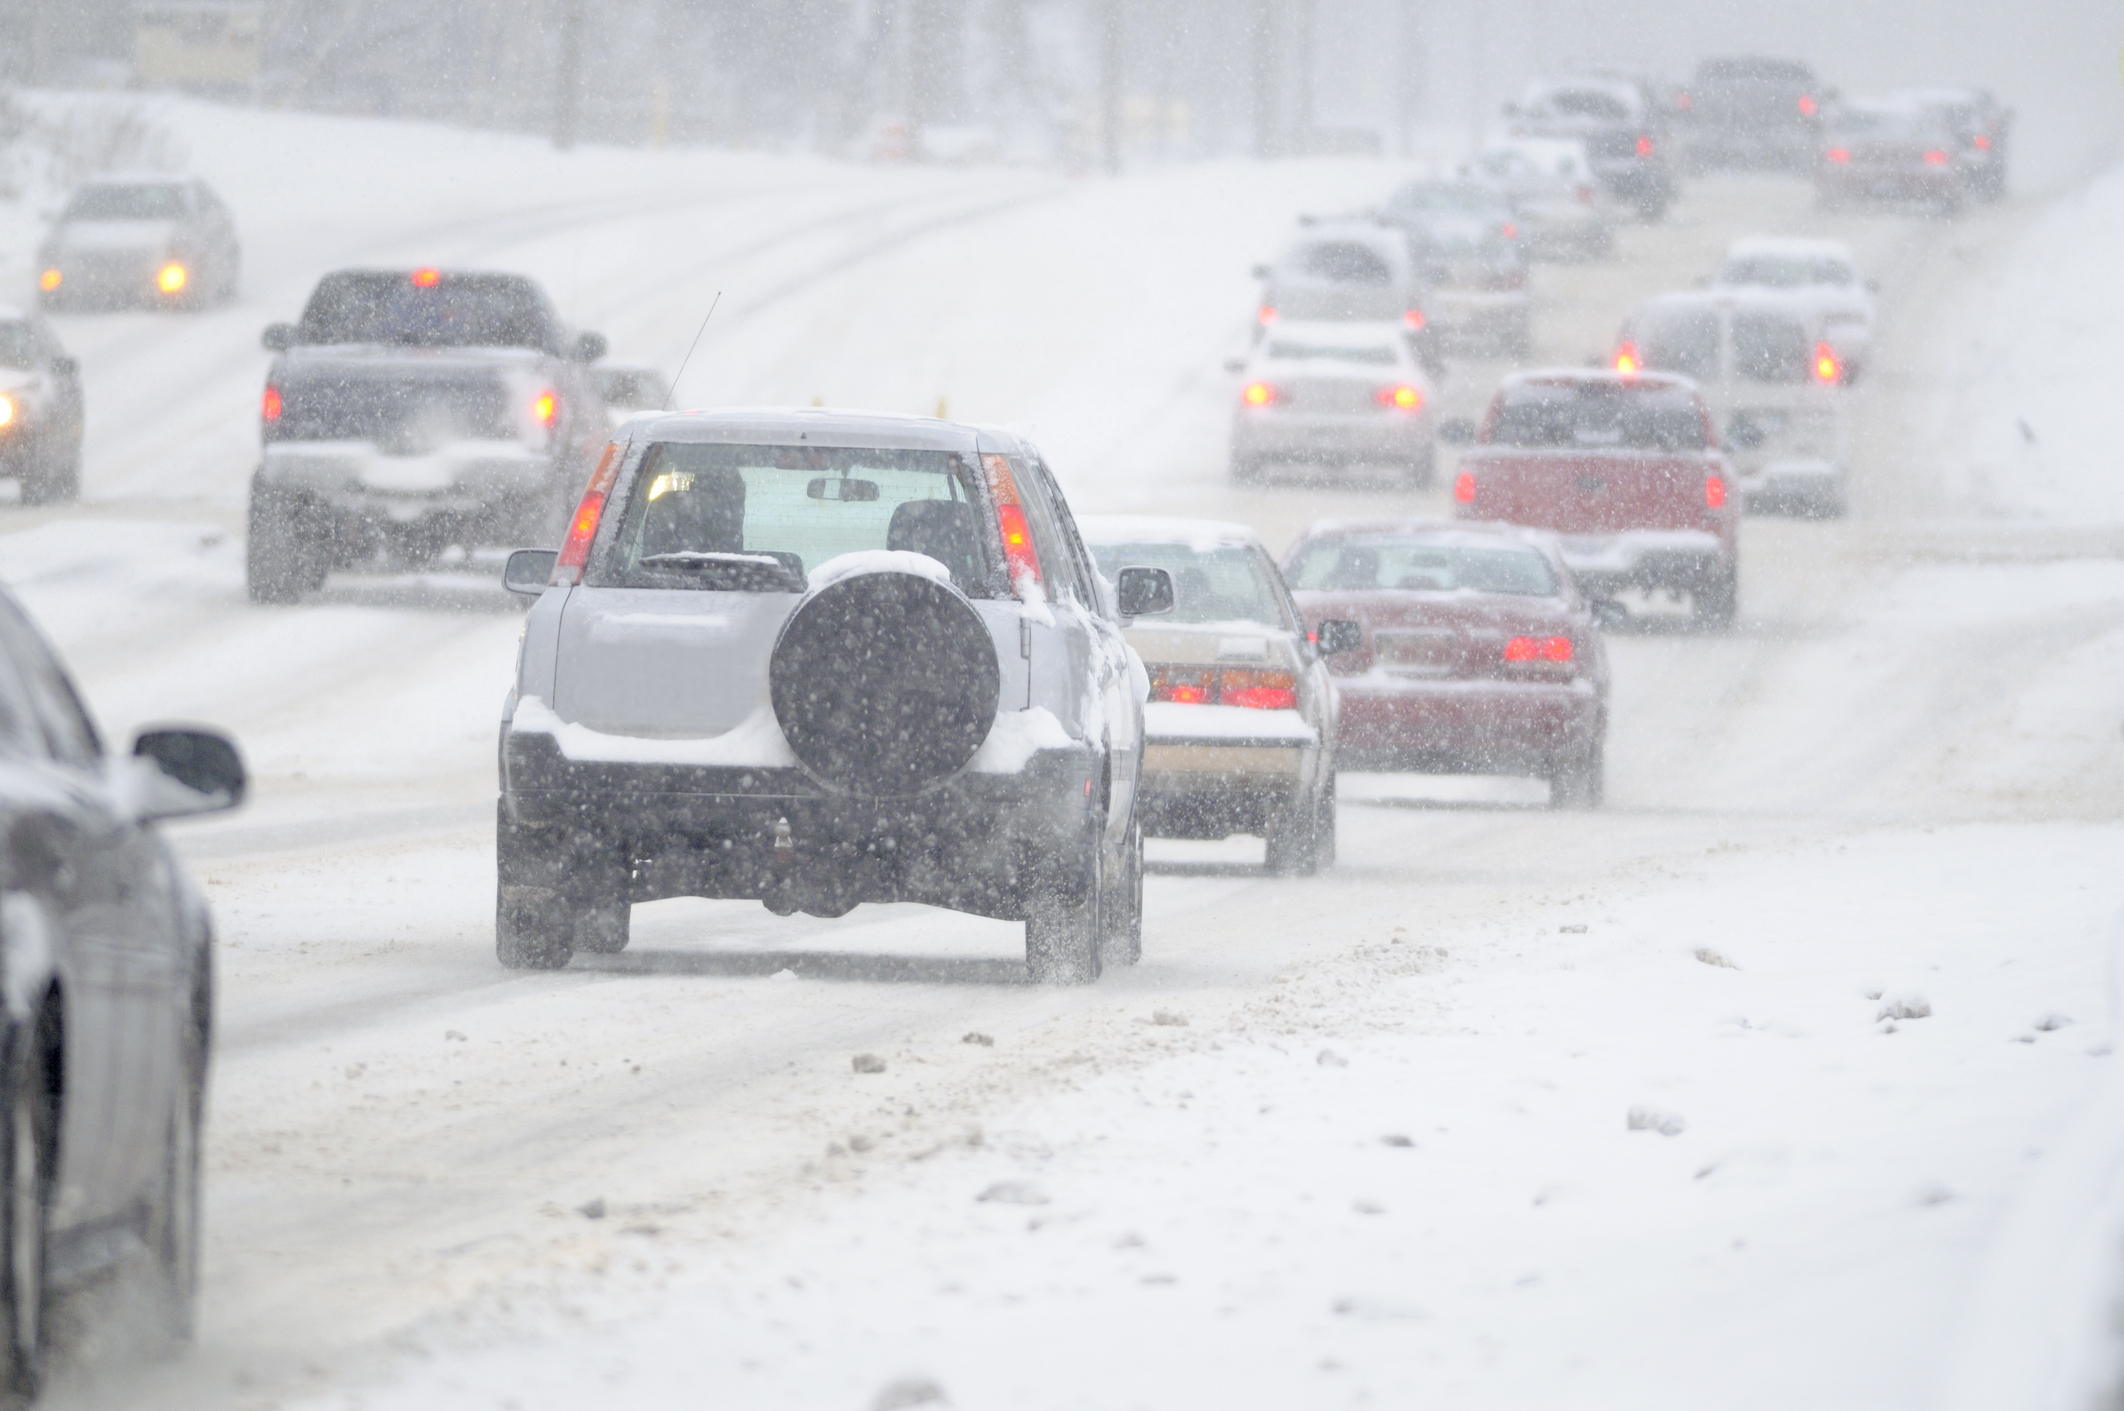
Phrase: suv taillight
pixel 575 550
pixel 1020 554
pixel 270 406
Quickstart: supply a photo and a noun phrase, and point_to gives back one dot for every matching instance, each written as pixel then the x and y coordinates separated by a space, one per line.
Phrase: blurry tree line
pixel 1078 82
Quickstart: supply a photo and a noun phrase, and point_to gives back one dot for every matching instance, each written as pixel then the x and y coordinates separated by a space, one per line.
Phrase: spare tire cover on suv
pixel 884 683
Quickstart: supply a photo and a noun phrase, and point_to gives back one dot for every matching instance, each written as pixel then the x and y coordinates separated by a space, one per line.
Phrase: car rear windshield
pixel 1285 350
pixel 1786 271
pixel 1422 566
pixel 1344 262
pixel 1598 416
pixel 759 518
pixel 1579 103
pixel 427 310
pixel 149 201
pixel 1886 126
pixel 1771 348
pixel 1231 584
pixel 1755 71
pixel 1454 196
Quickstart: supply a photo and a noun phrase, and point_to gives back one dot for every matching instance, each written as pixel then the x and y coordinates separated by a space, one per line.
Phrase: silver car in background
pixel 159 242
pixel 1334 396
pixel 1822 273
pixel 1552 188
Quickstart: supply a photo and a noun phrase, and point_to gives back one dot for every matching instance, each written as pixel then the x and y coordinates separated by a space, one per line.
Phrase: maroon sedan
pixel 1479 655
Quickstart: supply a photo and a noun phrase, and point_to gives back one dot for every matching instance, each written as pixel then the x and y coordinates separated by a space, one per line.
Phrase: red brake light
pixel 1627 362
pixel 1935 158
pixel 1644 144
pixel 1464 487
pixel 1838 154
pixel 1983 142
pixel 1807 104
pixel 1259 690
pixel 1413 318
pixel 1585 194
pixel 1520 649
pixel 1402 399
pixel 1685 101
pixel 1510 231
pixel 575 550
pixel 1268 313
pixel 1259 394
pixel 1021 555
pixel 1538 649
pixel 1556 649
pixel 269 408
pixel 1714 492
pixel 426 278
pixel 1827 366
pixel 545 407
pixel 1249 687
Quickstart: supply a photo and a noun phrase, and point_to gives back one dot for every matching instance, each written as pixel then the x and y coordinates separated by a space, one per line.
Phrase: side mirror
pixel 528 571
pixel 1144 592
pixel 63 366
pixel 1338 635
pixel 278 337
pixel 177 772
pixel 1457 431
pixel 589 347
pixel 1610 613
pixel 1261 271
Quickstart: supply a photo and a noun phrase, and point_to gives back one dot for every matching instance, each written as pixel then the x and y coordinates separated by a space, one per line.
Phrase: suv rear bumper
pixel 979 843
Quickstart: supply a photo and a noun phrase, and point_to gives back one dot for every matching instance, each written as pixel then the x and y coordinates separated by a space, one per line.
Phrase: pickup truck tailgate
pixel 1598 492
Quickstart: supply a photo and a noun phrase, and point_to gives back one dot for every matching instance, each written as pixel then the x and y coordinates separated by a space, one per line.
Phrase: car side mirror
pixel 177 773
pixel 1144 592
pixel 63 366
pixel 278 337
pixel 1338 635
pixel 589 347
pixel 1457 431
pixel 1610 613
pixel 528 571
pixel 1261 271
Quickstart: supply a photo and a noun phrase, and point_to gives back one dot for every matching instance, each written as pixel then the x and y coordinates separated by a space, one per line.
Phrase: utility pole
pixel 1264 79
pixel 1110 86
pixel 1408 75
pixel 1478 80
pixel 568 74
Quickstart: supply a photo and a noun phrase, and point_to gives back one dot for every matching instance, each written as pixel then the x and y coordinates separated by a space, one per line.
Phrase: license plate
pixel 1424 653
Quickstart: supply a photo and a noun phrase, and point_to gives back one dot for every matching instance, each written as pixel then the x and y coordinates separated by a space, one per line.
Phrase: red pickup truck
pixel 1625 468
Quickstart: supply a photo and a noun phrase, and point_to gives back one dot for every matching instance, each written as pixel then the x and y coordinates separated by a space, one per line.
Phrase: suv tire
pixel 53 476
pixel 25 1213
pixel 1301 835
pixel 174 1217
pixel 533 929
pixel 1063 925
pixel 1121 919
pixel 1716 602
pixel 1578 780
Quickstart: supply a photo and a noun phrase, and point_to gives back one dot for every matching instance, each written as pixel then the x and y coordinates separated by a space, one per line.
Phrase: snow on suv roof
pixel 820 426
pixel 1198 534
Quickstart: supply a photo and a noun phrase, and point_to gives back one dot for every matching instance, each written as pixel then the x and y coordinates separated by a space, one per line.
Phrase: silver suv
pixel 820 658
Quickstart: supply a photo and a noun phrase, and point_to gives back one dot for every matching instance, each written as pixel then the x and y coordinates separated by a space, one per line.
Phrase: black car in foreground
pixel 410 412
pixel 106 1012
pixel 40 410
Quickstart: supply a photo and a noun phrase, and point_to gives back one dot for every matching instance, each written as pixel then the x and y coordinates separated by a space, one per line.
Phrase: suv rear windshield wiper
pixel 744 572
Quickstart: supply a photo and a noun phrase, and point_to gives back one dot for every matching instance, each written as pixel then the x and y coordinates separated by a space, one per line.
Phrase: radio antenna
pixel 672 391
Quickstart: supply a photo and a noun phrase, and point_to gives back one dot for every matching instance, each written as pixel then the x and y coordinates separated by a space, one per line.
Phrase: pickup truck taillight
pixel 1714 492
pixel 1828 367
pixel 1267 314
pixel 1935 158
pixel 1838 154
pixel 1260 394
pixel 545 407
pixel 1414 319
pixel 1464 487
pixel 1627 361
pixel 1233 686
pixel 270 406
pixel 1644 144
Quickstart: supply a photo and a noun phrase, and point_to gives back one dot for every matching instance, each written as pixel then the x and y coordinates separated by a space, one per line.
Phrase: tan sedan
pixel 1239 732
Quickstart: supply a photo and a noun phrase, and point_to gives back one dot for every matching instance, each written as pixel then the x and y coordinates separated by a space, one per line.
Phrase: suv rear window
pixel 148 201
pixel 1598 416
pixel 1787 271
pixel 421 309
pixel 758 518
pixel 1770 348
pixel 1415 566
pixel 1684 341
pixel 1345 263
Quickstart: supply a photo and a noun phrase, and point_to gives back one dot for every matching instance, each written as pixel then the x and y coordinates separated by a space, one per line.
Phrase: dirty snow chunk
pixel 1331 1059
pixel 449 1034
pixel 1651 1119
pixel 1907 1005
pixel 593 1209
pixel 1168 1017
pixel 1378 1310
pixel 1013 1193
pixel 1932 1193
pixel 1711 957
pixel 1367 1207
pixel 1396 1139
pixel 910 1391
pixel 2050 1023
pixel 756 740
pixel 783 974
pixel 868 1063
pixel 1015 738
pixel 1576 928
pixel 979 1038
pixel 863 561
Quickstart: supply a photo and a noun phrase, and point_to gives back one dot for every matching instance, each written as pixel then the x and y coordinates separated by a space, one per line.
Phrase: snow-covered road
pixel 1897 782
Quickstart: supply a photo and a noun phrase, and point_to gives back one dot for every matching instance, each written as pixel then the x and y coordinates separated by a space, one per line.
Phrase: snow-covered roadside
pixel 1710 1166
